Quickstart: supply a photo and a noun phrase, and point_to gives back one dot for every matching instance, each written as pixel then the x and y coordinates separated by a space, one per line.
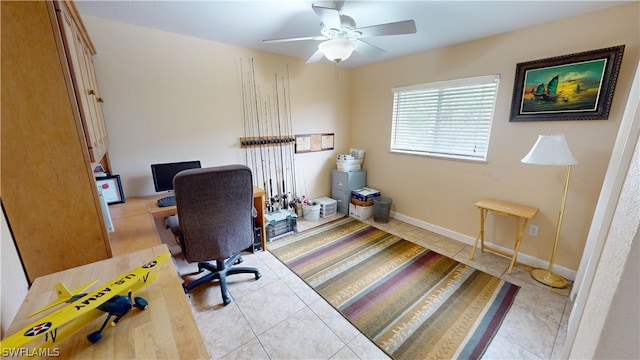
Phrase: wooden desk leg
pixel 483 216
pixel 519 236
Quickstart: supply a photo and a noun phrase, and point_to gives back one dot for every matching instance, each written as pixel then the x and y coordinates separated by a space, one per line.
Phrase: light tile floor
pixel 280 317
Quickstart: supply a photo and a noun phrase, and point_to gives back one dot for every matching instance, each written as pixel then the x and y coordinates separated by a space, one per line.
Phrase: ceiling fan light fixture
pixel 337 50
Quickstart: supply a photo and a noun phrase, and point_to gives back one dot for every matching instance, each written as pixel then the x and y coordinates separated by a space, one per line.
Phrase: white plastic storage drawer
pixel 328 206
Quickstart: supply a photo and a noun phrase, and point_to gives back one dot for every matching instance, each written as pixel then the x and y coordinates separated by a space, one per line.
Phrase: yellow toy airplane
pixel 114 298
pixel 64 295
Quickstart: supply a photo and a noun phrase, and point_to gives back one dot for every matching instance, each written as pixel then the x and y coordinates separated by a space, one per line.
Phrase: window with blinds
pixel 446 119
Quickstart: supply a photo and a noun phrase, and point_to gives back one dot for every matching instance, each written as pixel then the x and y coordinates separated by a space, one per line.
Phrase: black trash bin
pixel 381 209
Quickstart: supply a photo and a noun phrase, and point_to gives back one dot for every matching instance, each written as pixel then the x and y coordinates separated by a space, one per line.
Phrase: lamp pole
pixel 547 277
pixel 552 150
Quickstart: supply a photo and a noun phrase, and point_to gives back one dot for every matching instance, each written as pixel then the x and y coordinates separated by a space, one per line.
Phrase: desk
pixel 522 214
pixel 134 227
pixel 258 203
pixel 165 330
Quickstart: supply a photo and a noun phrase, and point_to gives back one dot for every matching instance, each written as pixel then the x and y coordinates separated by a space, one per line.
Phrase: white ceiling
pixel 247 23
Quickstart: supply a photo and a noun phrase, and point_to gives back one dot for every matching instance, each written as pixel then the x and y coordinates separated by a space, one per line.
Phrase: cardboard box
pixel 355 201
pixel 360 212
pixel 365 194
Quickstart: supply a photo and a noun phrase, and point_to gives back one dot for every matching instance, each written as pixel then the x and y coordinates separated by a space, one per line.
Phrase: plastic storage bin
pixel 381 209
pixel 280 223
pixel 311 212
pixel 328 206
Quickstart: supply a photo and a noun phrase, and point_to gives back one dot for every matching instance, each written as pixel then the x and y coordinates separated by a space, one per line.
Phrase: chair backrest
pixel 215 211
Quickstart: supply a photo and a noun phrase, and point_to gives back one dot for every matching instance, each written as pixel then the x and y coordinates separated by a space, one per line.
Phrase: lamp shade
pixel 337 50
pixel 550 150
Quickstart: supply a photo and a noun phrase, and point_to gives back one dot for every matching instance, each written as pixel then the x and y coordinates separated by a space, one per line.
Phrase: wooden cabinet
pixel 79 51
pixel 48 189
pixel 342 183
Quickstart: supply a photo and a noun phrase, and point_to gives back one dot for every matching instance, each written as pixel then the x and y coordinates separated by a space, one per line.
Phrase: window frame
pixel 438 117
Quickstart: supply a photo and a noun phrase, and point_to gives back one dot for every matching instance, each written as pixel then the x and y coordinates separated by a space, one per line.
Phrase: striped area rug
pixel 412 302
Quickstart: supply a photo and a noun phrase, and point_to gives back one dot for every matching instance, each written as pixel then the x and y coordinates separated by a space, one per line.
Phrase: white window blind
pixel 447 118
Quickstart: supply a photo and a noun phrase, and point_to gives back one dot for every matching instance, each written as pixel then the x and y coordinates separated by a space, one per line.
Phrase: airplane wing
pixel 64 295
pixel 140 284
pixel 82 321
pixel 71 328
pixel 80 309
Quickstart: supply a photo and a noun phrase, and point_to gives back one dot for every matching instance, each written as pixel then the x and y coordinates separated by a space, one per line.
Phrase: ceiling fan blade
pixel 330 17
pixel 319 37
pixel 396 28
pixel 317 56
pixel 369 50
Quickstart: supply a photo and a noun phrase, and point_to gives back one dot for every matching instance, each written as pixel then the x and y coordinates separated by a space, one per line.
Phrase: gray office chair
pixel 214 221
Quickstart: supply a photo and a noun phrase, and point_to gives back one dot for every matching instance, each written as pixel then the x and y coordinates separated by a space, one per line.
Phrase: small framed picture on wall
pixel 111 188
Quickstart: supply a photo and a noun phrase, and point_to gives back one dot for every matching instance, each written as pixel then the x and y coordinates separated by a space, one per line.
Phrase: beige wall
pixel 170 97
pixel 441 193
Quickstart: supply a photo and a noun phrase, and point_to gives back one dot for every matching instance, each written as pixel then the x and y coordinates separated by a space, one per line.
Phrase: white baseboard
pixel 522 258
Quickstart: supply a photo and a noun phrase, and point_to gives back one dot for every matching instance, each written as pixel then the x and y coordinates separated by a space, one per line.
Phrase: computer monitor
pixel 163 173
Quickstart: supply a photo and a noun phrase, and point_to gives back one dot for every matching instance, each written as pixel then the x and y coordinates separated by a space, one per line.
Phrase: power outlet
pixel 533 230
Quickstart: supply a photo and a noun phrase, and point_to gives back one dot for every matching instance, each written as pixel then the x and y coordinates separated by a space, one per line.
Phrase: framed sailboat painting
pixel 571 87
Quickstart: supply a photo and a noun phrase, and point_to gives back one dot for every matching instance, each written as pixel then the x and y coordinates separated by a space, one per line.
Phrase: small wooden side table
pixel 522 213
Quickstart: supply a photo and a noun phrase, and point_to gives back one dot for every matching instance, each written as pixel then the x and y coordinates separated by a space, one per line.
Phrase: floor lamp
pixel 552 150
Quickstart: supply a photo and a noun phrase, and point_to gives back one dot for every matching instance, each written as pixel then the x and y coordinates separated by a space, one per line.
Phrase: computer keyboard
pixel 167 201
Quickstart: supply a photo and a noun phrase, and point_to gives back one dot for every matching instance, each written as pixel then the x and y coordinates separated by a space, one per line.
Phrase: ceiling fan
pixel 342 36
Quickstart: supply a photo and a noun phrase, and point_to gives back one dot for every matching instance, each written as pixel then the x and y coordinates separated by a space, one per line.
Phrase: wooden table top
pixel 165 330
pixel 508 208
pixel 135 228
